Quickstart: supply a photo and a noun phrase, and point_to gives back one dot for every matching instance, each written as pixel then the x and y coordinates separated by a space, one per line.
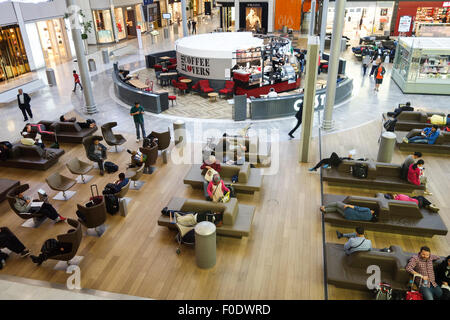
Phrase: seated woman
pixel 90 123
pixel 51 248
pixel 415 175
pixel 216 189
pixel 350 212
pixel 334 161
pixel 442 273
pixel 23 205
pixel 421 201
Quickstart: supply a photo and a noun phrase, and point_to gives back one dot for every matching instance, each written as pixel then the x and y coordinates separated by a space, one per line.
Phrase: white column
pixel 312 22
pixel 236 15
pixel 23 32
pixel 114 23
pixel 323 25
pixel 333 63
pixel 184 17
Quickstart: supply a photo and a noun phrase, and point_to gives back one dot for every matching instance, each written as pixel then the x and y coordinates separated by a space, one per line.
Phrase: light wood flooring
pixel 281 259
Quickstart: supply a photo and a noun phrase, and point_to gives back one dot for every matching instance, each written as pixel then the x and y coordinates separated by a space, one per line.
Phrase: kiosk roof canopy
pixel 220 45
pixel 426 43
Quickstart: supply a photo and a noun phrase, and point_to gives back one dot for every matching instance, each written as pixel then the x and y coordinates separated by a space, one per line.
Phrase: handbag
pixel 210 174
pixel 412 294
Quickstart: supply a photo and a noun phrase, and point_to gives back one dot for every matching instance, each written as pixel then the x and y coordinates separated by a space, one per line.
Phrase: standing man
pixel 194 26
pixel 374 65
pixel 422 265
pixel 298 115
pixel 365 63
pixel 76 79
pixel 189 25
pixel 137 112
pixel 24 104
pixel 379 76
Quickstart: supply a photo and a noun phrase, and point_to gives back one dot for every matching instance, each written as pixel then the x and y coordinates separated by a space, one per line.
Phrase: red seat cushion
pixel 207 90
pixel 182 86
pixel 172 97
pixel 225 91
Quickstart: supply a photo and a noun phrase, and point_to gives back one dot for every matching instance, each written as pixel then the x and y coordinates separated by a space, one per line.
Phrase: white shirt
pixel 21 98
pixel 272 94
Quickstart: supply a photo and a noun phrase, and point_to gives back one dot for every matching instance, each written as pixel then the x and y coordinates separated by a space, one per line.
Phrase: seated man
pixel 422 265
pixel 122 182
pixel 51 248
pixel 9 241
pixel 123 75
pixel 23 204
pixel 439 120
pixel 90 123
pixel 356 241
pixel 97 153
pixel 350 212
pixel 427 136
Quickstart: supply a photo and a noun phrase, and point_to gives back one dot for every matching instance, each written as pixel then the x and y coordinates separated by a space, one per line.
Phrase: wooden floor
pixel 282 258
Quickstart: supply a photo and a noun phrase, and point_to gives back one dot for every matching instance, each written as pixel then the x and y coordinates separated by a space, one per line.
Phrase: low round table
pixel 187 81
pixel 213 96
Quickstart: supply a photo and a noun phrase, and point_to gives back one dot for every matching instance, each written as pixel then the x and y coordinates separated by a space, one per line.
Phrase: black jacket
pixel 442 273
pixel 26 100
pixel 299 113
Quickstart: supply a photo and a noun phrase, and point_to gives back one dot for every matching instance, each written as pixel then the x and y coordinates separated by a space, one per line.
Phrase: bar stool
pixel 173 98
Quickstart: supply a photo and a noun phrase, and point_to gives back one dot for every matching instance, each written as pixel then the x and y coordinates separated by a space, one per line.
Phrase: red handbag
pixel 414 295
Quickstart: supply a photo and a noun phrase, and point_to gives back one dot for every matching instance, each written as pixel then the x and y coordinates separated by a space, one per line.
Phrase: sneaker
pixel 291 136
pixel 433 208
pixel 59 219
pixel 427 193
pixel 137 140
pixel 339 234
pixel 311 169
pixel 36 260
pixel 25 253
pixel 102 172
pixel 325 166
pixel 405 140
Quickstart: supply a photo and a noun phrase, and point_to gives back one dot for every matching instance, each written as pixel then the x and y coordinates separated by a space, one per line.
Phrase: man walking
pixel 298 115
pixel 137 112
pixel 374 65
pixel 379 76
pixel 194 26
pixel 23 100
pixel 76 79
pixel 365 63
pixel 189 25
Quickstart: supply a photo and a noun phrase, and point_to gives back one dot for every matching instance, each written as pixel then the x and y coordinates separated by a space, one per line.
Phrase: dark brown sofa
pixel 400 217
pixel 408 120
pixel 237 218
pixel 5 186
pixel 253 155
pixel 382 176
pixel 30 157
pixel 68 132
pixel 350 271
pixel 249 179
pixel 441 146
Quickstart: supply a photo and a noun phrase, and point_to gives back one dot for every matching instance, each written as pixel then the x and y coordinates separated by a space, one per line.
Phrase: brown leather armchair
pixel 163 139
pixel 11 196
pixel 152 155
pixel 134 174
pixel 58 182
pixel 111 138
pixel 123 192
pixel 95 216
pixel 78 167
pixel 73 237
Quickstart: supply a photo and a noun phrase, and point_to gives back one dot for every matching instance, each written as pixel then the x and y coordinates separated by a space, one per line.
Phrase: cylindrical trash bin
pixel 105 56
pixel 386 148
pixel 92 66
pixel 166 33
pixel 179 129
pixel 205 244
pixel 51 77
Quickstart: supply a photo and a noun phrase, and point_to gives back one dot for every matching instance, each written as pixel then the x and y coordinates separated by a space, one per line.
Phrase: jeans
pixel 47 210
pixel 9 240
pixel 418 139
pixel 431 292
pixel 75 86
pixel 299 122
pixel 335 207
pixel 137 125
pixel 349 235
pixel 423 202
pixel 364 66
pixel 372 71
pixel 322 162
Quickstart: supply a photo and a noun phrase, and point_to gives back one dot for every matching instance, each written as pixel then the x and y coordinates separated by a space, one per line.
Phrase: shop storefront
pixel 364 18
pixel 103 26
pixel 54 41
pixel 412 13
pixel 152 15
pixel 227 16
pixel 13 57
pixel 120 23
pixel 253 16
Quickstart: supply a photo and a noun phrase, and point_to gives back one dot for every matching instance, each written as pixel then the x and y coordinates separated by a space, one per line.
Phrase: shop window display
pixel 122 33
pixel 139 18
pixel 103 26
pixel 13 57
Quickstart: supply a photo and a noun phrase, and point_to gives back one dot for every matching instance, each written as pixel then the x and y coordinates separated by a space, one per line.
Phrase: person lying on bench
pixel 356 241
pixel 439 120
pixel 408 162
pixel 422 265
pixel 24 205
pixel 350 212
pixel 9 241
pixel 415 175
pixel 421 201
pixel 333 161
pixel 400 109
pixel 90 123
pixel 51 248
pixel 428 136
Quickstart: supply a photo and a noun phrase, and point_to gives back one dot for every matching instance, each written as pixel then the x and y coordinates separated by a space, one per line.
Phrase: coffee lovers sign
pixel 202 67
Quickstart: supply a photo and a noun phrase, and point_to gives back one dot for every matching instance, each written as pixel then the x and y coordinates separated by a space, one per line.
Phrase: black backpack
pixel 359 170
pixel 110 167
pixel 112 204
pixel 389 125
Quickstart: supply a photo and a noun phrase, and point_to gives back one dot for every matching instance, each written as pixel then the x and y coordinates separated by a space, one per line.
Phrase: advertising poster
pixel 253 18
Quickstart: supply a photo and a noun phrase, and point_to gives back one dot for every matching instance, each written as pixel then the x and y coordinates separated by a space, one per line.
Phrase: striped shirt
pixel 424 267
